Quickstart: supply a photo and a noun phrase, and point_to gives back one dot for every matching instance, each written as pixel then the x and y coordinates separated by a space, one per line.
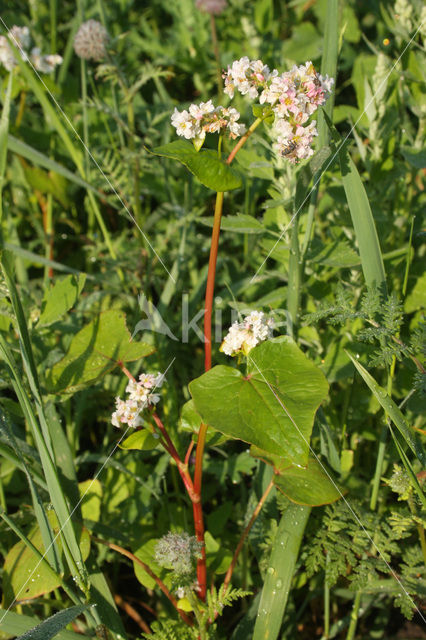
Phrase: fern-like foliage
pixel 345 551
pixel 382 318
pixel 171 630
pixel 216 601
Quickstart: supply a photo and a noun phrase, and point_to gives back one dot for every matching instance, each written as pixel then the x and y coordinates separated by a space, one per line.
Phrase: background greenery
pixel 68 222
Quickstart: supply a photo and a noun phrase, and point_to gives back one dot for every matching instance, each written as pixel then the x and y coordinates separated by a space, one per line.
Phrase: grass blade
pixel 41 430
pixel 51 627
pixel 363 222
pixel 40 159
pixel 283 559
pixel 4 128
pixel 392 411
pixel 14 623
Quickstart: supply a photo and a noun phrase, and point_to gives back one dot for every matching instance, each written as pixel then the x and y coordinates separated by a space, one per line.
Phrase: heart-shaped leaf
pixel 97 349
pixel 272 407
pixel 210 170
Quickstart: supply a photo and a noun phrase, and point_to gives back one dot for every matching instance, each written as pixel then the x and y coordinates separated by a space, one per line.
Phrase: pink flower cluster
pixel 206 118
pixel 294 96
pixel 141 396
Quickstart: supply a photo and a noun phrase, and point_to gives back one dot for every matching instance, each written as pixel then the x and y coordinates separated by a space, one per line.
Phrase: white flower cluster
pixel 294 96
pixel 206 118
pixel 243 336
pixel 141 395
pixel 20 37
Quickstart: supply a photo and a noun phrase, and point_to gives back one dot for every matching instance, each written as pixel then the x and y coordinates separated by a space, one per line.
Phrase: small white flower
pixel 21 39
pixel 245 335
pixel 44 64
pixel 141 395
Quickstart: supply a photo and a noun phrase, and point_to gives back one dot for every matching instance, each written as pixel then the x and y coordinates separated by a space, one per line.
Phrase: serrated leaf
pixel 141 440
pixel 60 298
pixel 97 349
pixel 272 407
pixel 210 170
pixel 24 577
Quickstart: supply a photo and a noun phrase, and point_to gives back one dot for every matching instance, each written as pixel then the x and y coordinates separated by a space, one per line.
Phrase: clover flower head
pixel 179 552
pixel 141 396
pixel 214 7
pixel 243 336
pixel 21 38
pixel 91 40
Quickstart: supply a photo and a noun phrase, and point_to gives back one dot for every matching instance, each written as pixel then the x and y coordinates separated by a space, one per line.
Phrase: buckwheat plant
pixel 248 405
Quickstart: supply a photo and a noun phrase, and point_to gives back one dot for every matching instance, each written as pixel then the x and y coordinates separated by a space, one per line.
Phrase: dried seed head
pixel 90 41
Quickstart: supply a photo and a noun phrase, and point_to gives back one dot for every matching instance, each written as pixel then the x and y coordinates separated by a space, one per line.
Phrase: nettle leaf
pixel 310 485
pixel 97 349
pixel 60 298
pixel 272 407
pixel 210 170
pixel 24 577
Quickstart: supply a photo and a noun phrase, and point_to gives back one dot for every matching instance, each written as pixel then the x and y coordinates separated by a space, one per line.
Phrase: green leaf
pixel 273 407
pixel 416 299
pixel 240 223
pixel 60 298
pixel 24 577
pixel 97 349
pixel 311 486
pixel 304 44
pixel 363 222
pixel 218 557
pixel 211 171
pixel 263 111
pixel 91 499
pixel 146 553
pixel 53 625
pixel 141 440
pixel 335 254
pixel 415 157
pixel 392 410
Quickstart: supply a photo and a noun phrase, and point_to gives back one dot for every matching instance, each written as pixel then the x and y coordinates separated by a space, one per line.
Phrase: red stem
pixel 208 307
